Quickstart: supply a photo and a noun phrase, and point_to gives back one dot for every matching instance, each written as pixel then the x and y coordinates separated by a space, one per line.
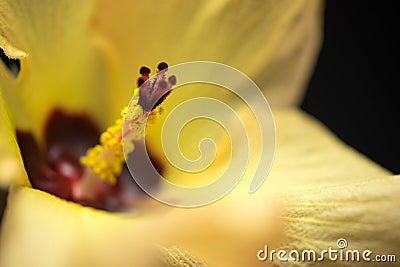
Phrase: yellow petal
pixel 273 42
pixel 364 215
pixel 52 232
pixel 258 38
pixel 59 67
pixel 310 156
pixel 230 231
pixel 11 166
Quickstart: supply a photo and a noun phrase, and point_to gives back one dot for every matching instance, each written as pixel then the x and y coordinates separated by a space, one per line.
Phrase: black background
pixel 354 86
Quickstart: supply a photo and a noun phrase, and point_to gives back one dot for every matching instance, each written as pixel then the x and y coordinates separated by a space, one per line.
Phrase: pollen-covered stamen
pixel 105 160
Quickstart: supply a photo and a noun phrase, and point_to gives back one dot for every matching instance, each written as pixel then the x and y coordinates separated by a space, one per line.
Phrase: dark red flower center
pixel 55 167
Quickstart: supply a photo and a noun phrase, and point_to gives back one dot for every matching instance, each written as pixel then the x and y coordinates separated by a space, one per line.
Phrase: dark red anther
pixel 162 66
pixel 153 91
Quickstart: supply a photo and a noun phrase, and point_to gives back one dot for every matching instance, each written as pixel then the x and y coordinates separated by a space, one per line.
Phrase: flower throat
pixel 79 164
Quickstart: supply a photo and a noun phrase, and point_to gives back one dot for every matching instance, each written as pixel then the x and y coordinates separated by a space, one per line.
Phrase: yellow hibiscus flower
pixel 77 69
